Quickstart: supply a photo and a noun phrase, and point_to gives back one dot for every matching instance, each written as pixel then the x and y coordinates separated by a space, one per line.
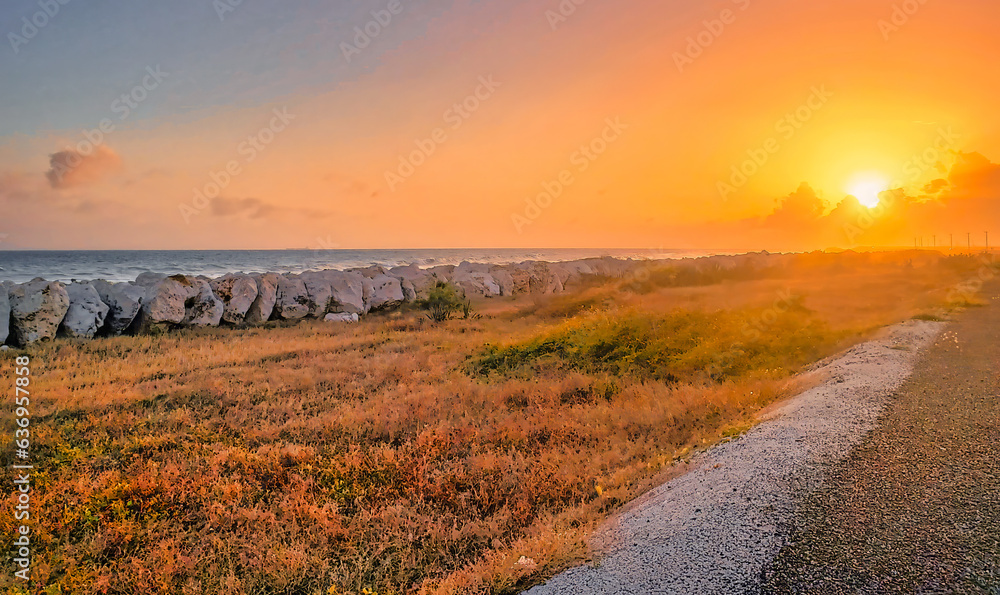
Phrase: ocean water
pixel 125 265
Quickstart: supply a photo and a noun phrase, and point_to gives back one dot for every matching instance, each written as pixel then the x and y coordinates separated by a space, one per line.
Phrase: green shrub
pixel 674 346
pixel 443 300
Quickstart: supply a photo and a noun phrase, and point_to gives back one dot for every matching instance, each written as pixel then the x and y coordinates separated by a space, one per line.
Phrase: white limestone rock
pixel 292 301
pixel 4 314
pixel 124 302
pixel 387 292
pixel 86 312
pixel 341 317
pixel 203 308
pixel 37 308
pixel 267 293
pixel 237 292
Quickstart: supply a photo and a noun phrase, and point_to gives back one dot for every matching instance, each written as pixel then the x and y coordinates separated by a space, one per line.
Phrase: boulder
pixel 203 308
pixel 165 299
pixel 367 292
pixel 4 315
pixel 503 279
pixel 529 277
pixel 341 317
pixel 371 272
pixel 124 301
pixel 319 288
pixel 237 292
pixel 475 280
pixel 86 312
pixel 409 290
pixel 386 292
pixel 419 279
pixel 37 308
pixel 292 300
pixel 267 292
pixel 348 292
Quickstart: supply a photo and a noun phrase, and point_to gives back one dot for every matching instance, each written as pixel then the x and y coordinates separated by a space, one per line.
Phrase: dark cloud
pixel 71 168
pixel 966 200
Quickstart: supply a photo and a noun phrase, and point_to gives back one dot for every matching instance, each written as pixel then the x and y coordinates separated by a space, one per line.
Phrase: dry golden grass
pixel 333 459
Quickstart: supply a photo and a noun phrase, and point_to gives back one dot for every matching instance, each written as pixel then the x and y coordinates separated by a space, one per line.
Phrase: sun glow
pixel 866 189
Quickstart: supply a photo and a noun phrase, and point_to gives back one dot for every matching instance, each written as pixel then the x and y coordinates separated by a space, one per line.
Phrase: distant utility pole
pixel 987 241
pixel 951 238
pixel 968 236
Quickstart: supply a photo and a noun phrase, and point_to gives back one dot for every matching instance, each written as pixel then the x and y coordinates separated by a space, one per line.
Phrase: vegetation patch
pixel 677 346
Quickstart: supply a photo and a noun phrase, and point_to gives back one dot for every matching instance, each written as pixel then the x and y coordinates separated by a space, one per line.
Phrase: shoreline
pixel 42 310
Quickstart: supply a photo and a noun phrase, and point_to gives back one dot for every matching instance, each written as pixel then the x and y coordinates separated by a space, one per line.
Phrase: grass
pixel 677 346
pixel 401 456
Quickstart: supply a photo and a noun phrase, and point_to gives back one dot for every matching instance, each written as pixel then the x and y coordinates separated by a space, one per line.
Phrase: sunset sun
pixel 866 189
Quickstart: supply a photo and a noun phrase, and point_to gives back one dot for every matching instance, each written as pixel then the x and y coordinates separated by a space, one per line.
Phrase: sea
pixel 125 265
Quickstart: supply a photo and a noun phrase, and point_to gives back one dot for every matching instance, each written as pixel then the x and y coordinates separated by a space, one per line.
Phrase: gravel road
pixel 713 529
pixel 916 508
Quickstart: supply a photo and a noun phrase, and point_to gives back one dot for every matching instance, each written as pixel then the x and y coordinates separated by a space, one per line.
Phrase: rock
pixel 348 293
pixel 292 300
pixel 529 277
pixel 387 292
pixel 503 279
pixel 367 292
pixel 420 279
pixel 267 292
pixel 341 317
pixel 149 279
pixel 124 301
pixel 237 292
pixel 165 299
pixel 475 279
pixel 409 290
pixel 371 272
pixel 37 307
pixel 203 308
pixel 86 312
pixel 319 288
pixel 4 315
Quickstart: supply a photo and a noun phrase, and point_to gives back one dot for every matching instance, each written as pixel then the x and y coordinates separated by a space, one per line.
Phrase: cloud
pixel 70 168
pixel 966 199
pixel 254 208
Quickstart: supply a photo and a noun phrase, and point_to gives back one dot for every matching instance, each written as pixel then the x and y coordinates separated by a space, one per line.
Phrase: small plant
pixel 442 301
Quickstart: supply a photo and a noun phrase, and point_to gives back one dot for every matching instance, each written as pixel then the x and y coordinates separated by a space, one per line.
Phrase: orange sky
pixel 862 101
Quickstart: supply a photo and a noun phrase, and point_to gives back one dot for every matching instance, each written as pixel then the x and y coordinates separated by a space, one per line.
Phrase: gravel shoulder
pixel 713 529
pixel 916 507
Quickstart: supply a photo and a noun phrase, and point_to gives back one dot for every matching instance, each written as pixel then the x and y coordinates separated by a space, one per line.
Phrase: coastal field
pixel 399 455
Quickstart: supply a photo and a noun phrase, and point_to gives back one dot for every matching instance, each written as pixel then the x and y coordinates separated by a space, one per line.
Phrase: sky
pixel 737 124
